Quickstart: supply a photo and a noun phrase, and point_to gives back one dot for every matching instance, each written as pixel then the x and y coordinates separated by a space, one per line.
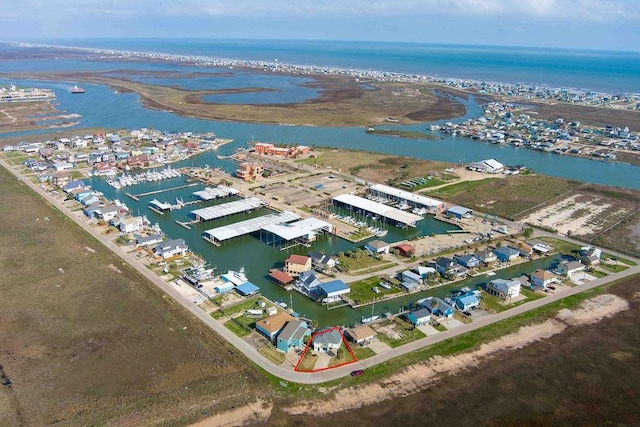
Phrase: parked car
pixel 357 372
pixel 467 313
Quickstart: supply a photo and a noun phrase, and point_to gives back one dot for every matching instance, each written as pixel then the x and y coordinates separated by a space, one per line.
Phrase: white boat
pixel 382 233
pixel 370 319
pixel 254 312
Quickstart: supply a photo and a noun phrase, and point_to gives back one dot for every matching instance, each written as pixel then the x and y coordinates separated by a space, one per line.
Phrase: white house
pixel 504 288
pixel 170 248
pixel 377 247
pixel 327 341
pixel 569 268
pixel 131 225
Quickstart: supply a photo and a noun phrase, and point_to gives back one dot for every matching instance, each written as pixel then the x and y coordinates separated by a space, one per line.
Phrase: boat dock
pixel 164 190
pixel 185 224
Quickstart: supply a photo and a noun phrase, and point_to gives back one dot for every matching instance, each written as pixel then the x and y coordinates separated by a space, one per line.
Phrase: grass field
pixel 362 290
pixel 507 198
pixel 96 344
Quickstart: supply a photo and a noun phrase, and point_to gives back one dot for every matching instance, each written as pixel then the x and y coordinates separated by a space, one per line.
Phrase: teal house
pixel 292 335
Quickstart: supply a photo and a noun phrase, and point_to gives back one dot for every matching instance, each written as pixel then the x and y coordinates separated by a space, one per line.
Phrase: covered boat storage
pixel 413 200
pixel 296 233
pixel 226 209
pixel 350 201
pixel 212 193
pixel 219 234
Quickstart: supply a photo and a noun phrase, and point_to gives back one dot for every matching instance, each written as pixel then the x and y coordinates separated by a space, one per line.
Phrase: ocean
pixel 605 71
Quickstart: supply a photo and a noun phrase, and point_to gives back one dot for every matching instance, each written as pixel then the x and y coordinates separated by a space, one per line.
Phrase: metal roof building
pixel 220 234
pixel 380 209
pixel 218 192
pixel 305 230
pixel 226 209
pixel 414 200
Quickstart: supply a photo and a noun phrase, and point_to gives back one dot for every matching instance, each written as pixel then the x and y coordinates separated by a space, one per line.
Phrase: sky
pixel 580 24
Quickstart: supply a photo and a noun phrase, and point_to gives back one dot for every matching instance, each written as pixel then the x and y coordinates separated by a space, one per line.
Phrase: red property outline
pixel 344 341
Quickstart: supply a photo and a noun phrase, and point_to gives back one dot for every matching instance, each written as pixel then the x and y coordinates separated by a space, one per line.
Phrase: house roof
pixel 405 247
pixel 247 288
pixel 334 286
pixel 290 329
pixel 171 244
pixel 421 313
pixel 377 244
pixel 543 275
pixel 506 250
pixel 466 258
pixel 280 276
pixel 572 265
pixel 361 333
pixel 411 274
pixel 467 299
pixel 332 336
pixel 274 323
pixel 460 210
pixel 297 259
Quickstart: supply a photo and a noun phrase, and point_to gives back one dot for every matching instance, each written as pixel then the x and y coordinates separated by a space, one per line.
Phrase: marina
pixel 126 180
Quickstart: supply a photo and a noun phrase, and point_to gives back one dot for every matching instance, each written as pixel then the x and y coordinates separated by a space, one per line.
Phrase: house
pixel 321 261
pixel 411 277
pixel 524 249
pixel 296 264
pixel 466 301
pixel 592 254
pixel 539 247
pixel 486 256
pixel 333 289
pixel 569 268
pixel 437 307
pixel 327 341
pixel 149 240
pixel 506 253
pixel 446 266
pixel 360 335
pixel 543 278
pixel 504 288
pixel 405 249
pixel 419 317
pixel 468 261
pixel 131 225
pixel 272 325
pixel 170 248
pixel 62 166
pixel 74 185
pixel 377 247
pixel 60 179
pixel 249 171
pixel 91 210
pixel 459 212
pixel 293 335
pixel 424 272
pixel 107 213
pixel 308 282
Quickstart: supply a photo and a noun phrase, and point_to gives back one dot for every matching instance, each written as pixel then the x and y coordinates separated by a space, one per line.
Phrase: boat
pixel 77 89
pixel 281 304
pixel 382 233
pixel 254 312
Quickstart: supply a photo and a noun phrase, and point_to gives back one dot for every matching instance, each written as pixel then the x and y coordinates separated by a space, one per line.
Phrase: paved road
pixel 286 372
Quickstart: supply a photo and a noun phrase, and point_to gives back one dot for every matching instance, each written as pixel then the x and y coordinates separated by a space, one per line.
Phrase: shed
pixel 460 212
pixel 334 288
pixel 223 287
pixel 405 249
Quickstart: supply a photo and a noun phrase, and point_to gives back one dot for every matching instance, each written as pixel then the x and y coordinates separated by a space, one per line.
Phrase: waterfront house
pixel 569 268
pixel 272 325
pixel 248 171
pixel 486 256
pixel 437 307
pixel 411 277
pixel 60 179
pixel 448 267
pixel 424 272
pixel 468 261
pixel 377 247
pixel 296 264
pixel 504 288
pixel 107 213
pixel 524 249
pixel 361 335
pixel 466 301
pixel 149 240
pixel 308 282
pixel 281 278
pixel 131 225
pixel 91 210
pixel 592 254
pixel 333 289
pixel 171 248
pixel 321 261
pixel 327 341
pixel 543 278
pixel 539 246
pixel 506 253
pixel 293 335
pixel 74 185
pixel 419 317
pixel 459 212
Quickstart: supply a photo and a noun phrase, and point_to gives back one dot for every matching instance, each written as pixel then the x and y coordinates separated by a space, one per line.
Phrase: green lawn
pixel 362 290
pixel 363 352
pixel 407 331
pixel 362 261
pixel 605 256
pixel 597 273
pixel 271 353
pixel 459 187
pixel 614 268
pixel 243 306
pixel 308 362
pixel 238 329
pixel 561 245
pixel 345 357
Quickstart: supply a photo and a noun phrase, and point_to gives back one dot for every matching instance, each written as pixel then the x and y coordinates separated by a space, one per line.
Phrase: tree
pixel 527 232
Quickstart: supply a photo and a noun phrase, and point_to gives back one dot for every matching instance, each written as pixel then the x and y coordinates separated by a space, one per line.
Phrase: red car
pixel 357 372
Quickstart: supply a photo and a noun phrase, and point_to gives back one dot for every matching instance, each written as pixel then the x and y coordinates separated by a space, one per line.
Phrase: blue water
pixel 590 69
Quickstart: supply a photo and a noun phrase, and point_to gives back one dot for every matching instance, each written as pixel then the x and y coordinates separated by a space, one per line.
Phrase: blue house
pixel 74 185
pixel 469 261
pixel 506 253
pixel 466 302
pixel 293 335
pixel 437 307
pixel 419 317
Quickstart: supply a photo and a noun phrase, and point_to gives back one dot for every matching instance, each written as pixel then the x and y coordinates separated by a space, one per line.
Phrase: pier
pixel 136 197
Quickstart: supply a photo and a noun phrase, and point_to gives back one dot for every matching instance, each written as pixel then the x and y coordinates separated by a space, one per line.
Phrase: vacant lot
pixel 506 198
pixel 86 341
